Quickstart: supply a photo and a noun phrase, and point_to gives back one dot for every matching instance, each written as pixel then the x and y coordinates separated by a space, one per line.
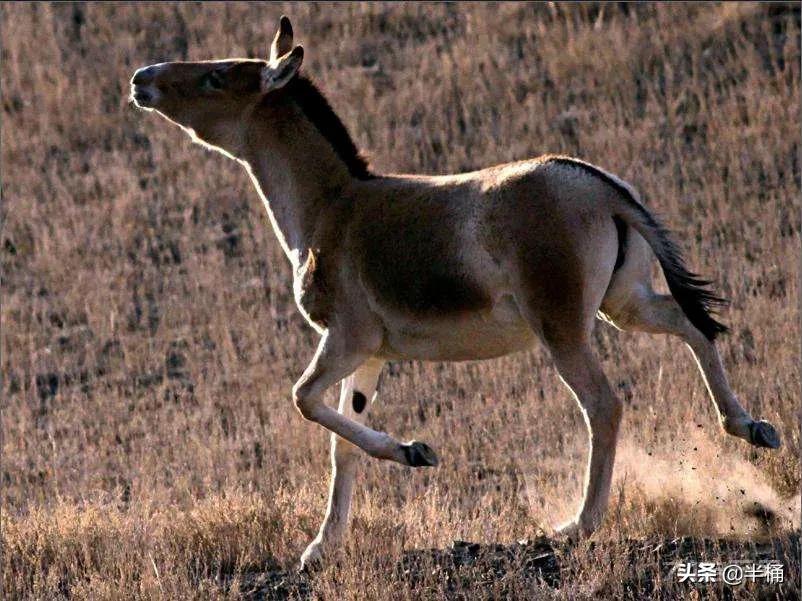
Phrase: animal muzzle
pixel 144 92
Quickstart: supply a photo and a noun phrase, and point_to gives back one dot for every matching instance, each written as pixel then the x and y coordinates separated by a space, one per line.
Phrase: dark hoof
pixel 419 454
pixel 763 434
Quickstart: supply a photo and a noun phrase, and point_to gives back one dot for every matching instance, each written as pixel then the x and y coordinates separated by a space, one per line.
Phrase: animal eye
pixel 211 81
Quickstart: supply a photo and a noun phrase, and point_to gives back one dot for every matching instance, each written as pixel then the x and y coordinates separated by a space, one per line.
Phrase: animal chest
pixel 312 295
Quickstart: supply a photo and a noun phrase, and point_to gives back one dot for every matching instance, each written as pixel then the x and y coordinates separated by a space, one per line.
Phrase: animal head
pixel 211 99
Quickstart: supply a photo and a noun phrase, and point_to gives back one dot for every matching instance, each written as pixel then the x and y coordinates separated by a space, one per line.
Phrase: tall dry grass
pixel 149 338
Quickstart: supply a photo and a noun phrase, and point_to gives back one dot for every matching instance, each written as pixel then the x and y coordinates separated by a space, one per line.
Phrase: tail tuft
pixel 692 293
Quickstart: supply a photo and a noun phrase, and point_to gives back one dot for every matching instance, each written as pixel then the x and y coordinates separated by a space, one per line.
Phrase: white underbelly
pixel 480 335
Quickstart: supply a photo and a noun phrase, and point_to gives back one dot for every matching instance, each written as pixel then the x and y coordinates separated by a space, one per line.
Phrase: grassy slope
pixel 149 339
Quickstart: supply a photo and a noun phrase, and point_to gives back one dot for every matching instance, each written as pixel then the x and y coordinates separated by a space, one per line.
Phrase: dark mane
pixel 319 112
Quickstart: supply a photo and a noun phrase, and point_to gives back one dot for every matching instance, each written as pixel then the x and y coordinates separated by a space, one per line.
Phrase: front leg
pixel 356 395
pixel 336 358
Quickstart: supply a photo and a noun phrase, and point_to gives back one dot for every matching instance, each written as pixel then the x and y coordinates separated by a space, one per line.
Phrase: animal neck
pixel 299 173
pixel 296 193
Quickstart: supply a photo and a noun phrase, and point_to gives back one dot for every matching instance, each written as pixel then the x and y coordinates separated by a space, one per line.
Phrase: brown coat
pixel 467 266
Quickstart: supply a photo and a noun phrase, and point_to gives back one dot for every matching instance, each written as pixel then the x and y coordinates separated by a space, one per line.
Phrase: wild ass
pixel 441 268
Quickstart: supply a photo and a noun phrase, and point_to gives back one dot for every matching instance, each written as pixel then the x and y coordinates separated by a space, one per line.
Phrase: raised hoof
pixel 763 434
pixel 418 454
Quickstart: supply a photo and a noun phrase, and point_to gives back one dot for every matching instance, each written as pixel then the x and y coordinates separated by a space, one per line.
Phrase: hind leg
pixel 649 312
pixel 581 371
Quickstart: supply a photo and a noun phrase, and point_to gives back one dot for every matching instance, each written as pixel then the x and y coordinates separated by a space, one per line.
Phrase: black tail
pixel 692 293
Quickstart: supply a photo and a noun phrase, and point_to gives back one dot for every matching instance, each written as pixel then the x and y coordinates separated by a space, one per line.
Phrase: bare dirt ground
pixel 541 567
pixel 149 338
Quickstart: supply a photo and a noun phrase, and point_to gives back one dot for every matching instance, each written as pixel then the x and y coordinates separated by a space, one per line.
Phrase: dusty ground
pixel 149 339
pixel 540 568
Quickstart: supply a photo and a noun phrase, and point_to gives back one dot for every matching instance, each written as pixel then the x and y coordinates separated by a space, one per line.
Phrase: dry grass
pixel 149 338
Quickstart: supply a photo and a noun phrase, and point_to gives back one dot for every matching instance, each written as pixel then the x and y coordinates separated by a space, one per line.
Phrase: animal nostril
pixel 143 76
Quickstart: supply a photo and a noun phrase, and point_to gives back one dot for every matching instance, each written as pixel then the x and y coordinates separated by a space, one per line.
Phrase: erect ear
pixel 282 43
pixel 277 73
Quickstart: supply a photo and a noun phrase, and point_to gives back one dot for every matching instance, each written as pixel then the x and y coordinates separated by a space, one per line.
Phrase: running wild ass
pixel 440 268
